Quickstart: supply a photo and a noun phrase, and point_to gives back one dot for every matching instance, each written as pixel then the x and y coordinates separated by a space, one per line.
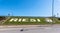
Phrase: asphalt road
pixel 50 29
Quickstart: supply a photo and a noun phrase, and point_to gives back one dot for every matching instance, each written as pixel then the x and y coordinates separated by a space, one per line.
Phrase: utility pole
pixel 52 11
pixel 52 8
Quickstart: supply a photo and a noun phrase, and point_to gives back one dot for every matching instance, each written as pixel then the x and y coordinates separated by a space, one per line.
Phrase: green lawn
pixel 30 23
pixel 25 23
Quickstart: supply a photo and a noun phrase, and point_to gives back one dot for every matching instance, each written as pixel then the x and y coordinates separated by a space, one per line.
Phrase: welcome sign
pixel 29 20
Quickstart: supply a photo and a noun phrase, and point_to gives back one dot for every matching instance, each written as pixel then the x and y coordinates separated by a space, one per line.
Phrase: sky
pixel 29 7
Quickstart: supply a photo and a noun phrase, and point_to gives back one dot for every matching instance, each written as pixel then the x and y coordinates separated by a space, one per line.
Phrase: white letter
pixel 38 20
pixel 48 20
pixel 32 20
pixel 19 20
pixel 14 19
pixel 24 20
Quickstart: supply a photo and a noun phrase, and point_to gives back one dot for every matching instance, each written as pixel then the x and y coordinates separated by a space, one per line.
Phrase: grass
pixel 30 23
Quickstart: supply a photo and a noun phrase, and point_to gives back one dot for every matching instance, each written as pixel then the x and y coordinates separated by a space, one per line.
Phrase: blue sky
pixel 29 7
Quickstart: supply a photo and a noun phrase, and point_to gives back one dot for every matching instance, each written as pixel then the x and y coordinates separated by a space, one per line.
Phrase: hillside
pixel 24 20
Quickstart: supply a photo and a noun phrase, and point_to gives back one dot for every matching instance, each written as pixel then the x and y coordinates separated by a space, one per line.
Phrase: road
pixel 49 29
